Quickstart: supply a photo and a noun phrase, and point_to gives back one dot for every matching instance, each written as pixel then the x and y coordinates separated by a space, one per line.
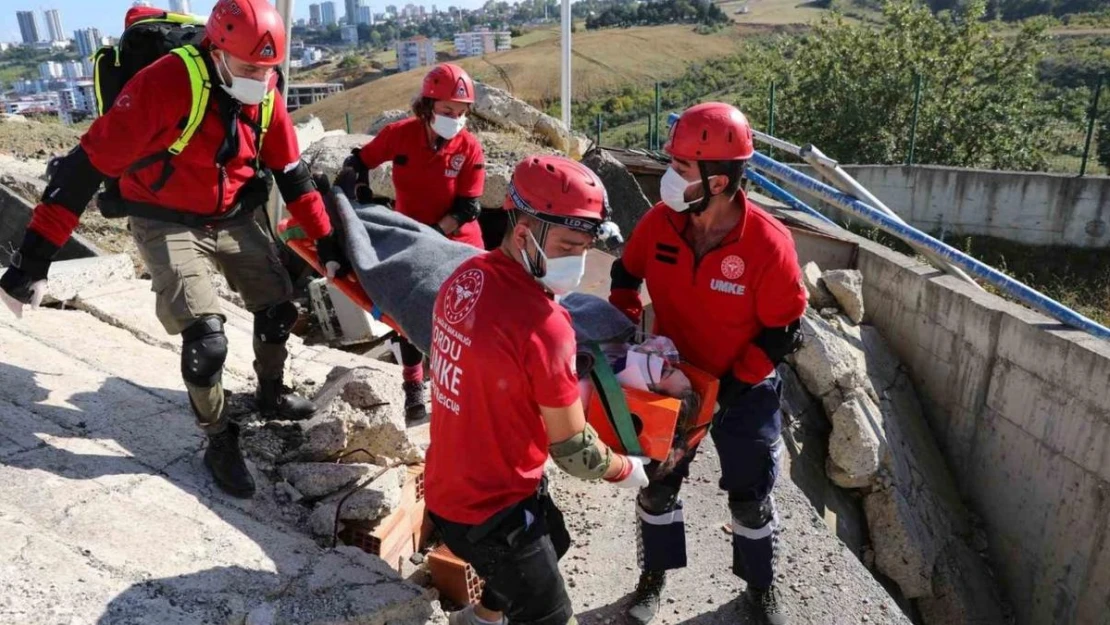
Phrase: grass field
pixel 604 61
pixel 772 11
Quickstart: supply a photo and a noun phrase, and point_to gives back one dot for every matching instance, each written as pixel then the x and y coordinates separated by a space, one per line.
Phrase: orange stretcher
pixel 632 421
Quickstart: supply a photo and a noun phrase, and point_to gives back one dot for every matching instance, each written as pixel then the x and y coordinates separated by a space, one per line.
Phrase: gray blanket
pixel 401 264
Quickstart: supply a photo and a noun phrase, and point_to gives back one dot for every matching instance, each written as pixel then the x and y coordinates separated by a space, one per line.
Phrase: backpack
pixel 143 42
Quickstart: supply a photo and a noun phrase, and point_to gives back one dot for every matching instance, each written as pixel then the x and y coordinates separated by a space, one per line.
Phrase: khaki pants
pixel 176 257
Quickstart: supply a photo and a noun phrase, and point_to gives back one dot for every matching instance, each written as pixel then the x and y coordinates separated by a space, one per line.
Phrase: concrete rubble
pixel 819 296
pixel 501 108
pixel 881 445
pixel 68 277
pixel 625 196
pixel 846 285
pixel 386 118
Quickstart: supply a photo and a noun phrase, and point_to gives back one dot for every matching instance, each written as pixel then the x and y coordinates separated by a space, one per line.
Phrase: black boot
pixel 277 401
pixel 415 410
pixel 645 603
pixel 225 462
pixel 768 604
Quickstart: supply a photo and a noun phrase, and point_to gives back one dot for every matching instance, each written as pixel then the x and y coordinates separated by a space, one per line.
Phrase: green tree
pixel 849 89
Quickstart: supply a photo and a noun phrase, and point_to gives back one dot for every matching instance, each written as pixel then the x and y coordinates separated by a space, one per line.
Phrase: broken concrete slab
pixel 309 131
pixel 386 118
pixel 819 295
pixel 369 503
pixel 830 366
pixel 327 154
pixel 854 445
pixel 846 285
pixel 905 549
pixel 372 405
pixel 69 277
pixel 317 479
pixel 625 195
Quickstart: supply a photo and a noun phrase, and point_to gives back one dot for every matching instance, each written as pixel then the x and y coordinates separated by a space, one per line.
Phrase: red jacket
pixel 428 181
pixel 713 307
pixel 147 117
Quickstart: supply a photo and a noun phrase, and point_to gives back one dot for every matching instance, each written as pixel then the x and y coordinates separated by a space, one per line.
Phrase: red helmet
pixel 249 30
pixel 711 131
pixel 448 81
pixel 560 192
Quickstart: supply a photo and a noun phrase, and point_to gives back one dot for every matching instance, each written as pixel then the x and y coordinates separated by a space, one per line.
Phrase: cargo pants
pixel 748 436
pixel 177 257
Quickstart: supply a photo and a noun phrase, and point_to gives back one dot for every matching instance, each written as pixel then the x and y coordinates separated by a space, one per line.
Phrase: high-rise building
pixel 352 11
pixel 54 25
pixel 365 16
pixel 180 6
pixel 88 41
pixel 415 52
pixel 73 70
pixel 327 13
pixel 314 15
pixel 141 3
pixel 29 26
pixel 50 70
pixel 349 34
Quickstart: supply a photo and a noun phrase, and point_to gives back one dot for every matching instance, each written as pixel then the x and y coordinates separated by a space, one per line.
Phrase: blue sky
pixel 107 15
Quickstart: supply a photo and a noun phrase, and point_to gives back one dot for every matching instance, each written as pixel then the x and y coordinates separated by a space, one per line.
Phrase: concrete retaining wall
pixel 1021 408
pixel 1036 209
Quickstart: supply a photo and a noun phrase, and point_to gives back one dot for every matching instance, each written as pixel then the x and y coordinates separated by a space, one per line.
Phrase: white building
pixel 54 25
pixel 314 15
pixel 50 70
pixel 180 6
pixel 73 70
pixel 415 52
pixel 365 16
pixel 479 42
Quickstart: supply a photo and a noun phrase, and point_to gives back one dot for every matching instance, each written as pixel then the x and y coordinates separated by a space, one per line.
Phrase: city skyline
pixel 107 15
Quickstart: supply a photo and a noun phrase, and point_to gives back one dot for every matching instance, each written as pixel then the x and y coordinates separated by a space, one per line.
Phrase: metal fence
pixel 1076 154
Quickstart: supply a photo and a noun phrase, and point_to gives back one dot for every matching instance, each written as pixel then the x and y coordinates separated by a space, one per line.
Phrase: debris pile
pixel 880 446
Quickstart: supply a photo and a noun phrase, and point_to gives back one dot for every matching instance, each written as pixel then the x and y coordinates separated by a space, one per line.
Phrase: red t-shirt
pixel 426 181
pixel 501 348
pixel 713 308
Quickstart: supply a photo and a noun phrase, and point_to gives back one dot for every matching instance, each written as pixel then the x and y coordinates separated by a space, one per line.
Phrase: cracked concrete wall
pixel 1021 408
pixel 1030 208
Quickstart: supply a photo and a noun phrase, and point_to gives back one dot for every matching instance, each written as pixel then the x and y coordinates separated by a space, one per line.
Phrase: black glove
pixel 778 343
pixel 354 179
pixel 330 250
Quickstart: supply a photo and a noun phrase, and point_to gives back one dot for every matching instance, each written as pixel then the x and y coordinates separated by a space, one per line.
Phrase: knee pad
pixel 752 514
pixel 203 351
pixel 658 498
pixel 274 324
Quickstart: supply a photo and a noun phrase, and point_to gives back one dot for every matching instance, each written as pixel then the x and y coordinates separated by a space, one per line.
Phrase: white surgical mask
pixel 564 274
pixel 672 190
pixel 246 90
pixel 448 127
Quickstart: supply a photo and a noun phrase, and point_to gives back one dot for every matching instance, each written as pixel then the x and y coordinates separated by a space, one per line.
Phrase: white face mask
pixel 672 190
pixel 246 90
pixel 564 274
pixel 448 127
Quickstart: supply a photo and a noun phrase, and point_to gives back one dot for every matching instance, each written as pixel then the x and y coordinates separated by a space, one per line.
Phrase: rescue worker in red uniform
pixel 505 397
pixel 725 285
pixel 191 207
pixel 438 176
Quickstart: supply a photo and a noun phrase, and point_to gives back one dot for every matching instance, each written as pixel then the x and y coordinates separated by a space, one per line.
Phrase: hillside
pixel 604 60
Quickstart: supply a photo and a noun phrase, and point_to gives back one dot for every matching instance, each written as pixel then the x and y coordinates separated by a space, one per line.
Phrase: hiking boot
pixel 277 401
pixel 225 461
pixel 415 410
pixel 645 603
pixel 768 604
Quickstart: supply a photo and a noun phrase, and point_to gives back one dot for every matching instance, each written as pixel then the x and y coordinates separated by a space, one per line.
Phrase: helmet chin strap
pixel 703 203
pixel 537 267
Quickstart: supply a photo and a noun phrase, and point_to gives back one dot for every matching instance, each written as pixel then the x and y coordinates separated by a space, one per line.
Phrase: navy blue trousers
pixel 748 437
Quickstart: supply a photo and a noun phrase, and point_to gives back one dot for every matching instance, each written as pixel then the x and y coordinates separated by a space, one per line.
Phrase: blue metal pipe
pixel 785 197
pixel 1006 284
